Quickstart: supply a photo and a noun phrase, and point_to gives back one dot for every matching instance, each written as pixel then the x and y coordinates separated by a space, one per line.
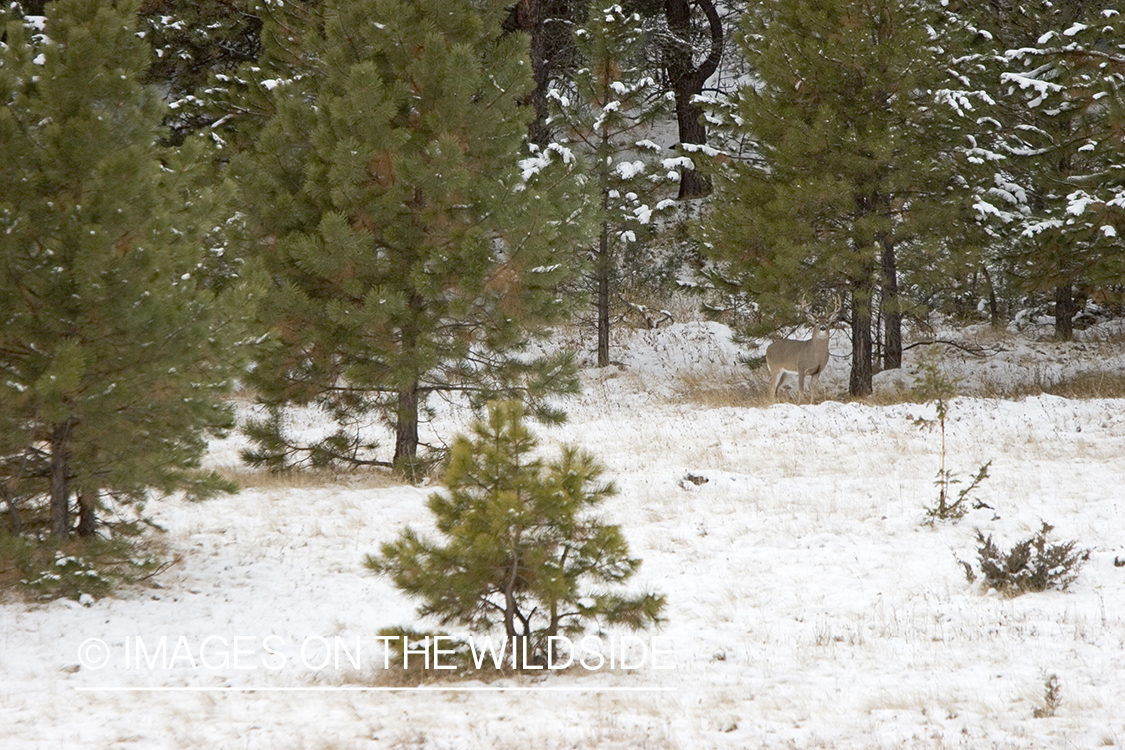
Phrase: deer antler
pixel 835 314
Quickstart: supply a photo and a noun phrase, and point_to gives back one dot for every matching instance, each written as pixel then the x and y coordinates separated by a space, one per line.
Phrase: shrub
pixel 1031 565
pixel 81 569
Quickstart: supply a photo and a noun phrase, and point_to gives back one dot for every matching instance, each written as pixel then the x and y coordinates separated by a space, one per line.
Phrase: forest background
pixel 366 206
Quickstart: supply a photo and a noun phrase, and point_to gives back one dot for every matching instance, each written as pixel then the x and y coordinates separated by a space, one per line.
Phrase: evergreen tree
pixel 409 254
pixel 851 165
pixel 605 118
pixel 520 544
pixel 1053 187
pixel 112 367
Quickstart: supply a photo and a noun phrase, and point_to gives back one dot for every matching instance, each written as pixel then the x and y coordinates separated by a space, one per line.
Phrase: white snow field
pixel 809 605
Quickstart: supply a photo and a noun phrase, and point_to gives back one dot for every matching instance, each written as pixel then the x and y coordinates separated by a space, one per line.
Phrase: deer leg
pixel 777 378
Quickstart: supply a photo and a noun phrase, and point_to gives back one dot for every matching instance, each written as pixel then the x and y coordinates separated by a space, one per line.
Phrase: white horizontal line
pixel 345 689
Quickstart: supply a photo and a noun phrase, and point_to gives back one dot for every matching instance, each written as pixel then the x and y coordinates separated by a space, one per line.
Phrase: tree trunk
pixel 13 511
pixel 689 118
pixel 603 271
pixel 406 434
pixel 527 16
pixel 59 479
pixel 687 83
pixel 993 307
pixel 406 412
pixel 860 382
pixel 87 513
pixel 1065 310
pixel 892 312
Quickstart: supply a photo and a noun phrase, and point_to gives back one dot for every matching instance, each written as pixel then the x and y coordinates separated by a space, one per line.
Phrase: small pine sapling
pixel 520 546
pixel 940 390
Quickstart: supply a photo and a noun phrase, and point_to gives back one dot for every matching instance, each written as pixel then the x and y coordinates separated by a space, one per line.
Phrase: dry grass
pixel 645 310
pixel 416 675
pixel 264 479
pixel 1091 385
pixel 882 397
pixel 716 391
pixel 1084 385
pixel 1114 334
pixel 710 393
pixel 1081 386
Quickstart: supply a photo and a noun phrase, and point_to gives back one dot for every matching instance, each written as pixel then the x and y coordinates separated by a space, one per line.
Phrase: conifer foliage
pixel 192 41
pixel 408 253
pixel 111 363
pixel 520 543
pixel 1051 141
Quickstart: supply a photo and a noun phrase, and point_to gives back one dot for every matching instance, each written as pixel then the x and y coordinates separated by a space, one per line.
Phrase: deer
pixel 801 358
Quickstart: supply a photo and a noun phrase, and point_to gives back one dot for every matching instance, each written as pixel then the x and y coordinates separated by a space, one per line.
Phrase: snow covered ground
pixel 809 606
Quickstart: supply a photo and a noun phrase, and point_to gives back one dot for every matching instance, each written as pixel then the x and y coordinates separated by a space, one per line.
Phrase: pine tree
pixel 113 367
pixel 409 254
pixel 605 118
pixel 520 543
pixel 851 169
pixel 1052 144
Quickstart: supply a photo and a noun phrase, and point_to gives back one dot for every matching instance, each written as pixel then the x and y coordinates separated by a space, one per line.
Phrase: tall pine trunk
pixel 406 433
pixel 528 16
pixel 603 271
pixel 60 479
pixel 13 511
pixel 1065 310
pixel 860 381
pixel 993 306
pixel 689 118
pixel 406 412
pixel 604 262
pixel 892 311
